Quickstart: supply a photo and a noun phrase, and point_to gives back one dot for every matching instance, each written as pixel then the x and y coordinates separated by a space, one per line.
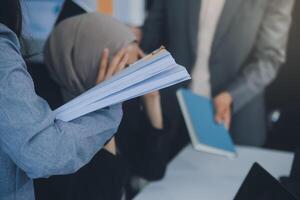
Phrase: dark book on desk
pixel 206 135
pixel 261 185
pixel 292 182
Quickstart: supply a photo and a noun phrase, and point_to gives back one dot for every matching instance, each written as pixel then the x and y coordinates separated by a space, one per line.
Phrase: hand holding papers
pixel 154 72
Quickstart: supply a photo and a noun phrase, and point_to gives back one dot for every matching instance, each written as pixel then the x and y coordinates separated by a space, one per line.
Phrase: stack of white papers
pixel 154 72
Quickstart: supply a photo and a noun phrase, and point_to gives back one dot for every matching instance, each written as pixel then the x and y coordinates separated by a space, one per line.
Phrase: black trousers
pixel 104 178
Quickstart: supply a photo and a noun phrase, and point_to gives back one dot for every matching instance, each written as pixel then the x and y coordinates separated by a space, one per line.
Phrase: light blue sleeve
pixel 38 144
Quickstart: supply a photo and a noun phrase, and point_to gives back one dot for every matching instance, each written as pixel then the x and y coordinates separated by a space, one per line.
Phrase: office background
pixel 282 97
pixel 40 15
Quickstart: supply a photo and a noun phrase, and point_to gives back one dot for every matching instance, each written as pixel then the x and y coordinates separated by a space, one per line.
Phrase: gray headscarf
pixel 74 49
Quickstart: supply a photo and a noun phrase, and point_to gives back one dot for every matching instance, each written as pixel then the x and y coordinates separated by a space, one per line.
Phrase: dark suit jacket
pixel 248 49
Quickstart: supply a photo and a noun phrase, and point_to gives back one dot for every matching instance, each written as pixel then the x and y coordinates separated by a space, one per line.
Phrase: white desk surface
pixel 195 175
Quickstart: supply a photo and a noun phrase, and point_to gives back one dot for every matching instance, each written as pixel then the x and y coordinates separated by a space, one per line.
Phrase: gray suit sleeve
pixel 269 54
pixel 153 28
pixel 29 134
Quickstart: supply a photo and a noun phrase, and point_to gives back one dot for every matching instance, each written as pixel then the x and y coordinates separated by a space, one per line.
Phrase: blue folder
pixel 206 135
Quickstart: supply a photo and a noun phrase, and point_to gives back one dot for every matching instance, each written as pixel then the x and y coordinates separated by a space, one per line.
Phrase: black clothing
pixel 143 152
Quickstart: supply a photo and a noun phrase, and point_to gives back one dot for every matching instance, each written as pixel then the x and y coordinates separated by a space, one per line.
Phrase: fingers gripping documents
pixel 154 72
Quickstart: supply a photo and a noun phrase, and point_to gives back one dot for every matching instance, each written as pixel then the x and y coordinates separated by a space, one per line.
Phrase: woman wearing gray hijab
pixel 76 56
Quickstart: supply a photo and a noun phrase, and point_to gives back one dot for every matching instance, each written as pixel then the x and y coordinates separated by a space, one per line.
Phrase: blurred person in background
pixel 233 48
pixel 140 148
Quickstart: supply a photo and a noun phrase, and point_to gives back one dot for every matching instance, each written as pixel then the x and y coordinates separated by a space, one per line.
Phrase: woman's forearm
pixel 153 109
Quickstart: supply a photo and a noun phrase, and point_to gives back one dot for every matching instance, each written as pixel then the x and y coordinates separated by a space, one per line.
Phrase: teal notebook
pixel 206 135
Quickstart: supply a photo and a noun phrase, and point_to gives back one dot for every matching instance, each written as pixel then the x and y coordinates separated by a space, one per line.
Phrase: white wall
pixel 40 15
pixel 131 12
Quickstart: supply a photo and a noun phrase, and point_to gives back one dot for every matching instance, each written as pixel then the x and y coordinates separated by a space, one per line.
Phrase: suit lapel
pixel 192 14
pixel 229 11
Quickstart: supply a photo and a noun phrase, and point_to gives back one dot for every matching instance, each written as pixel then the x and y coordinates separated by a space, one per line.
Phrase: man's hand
pixel 223 103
